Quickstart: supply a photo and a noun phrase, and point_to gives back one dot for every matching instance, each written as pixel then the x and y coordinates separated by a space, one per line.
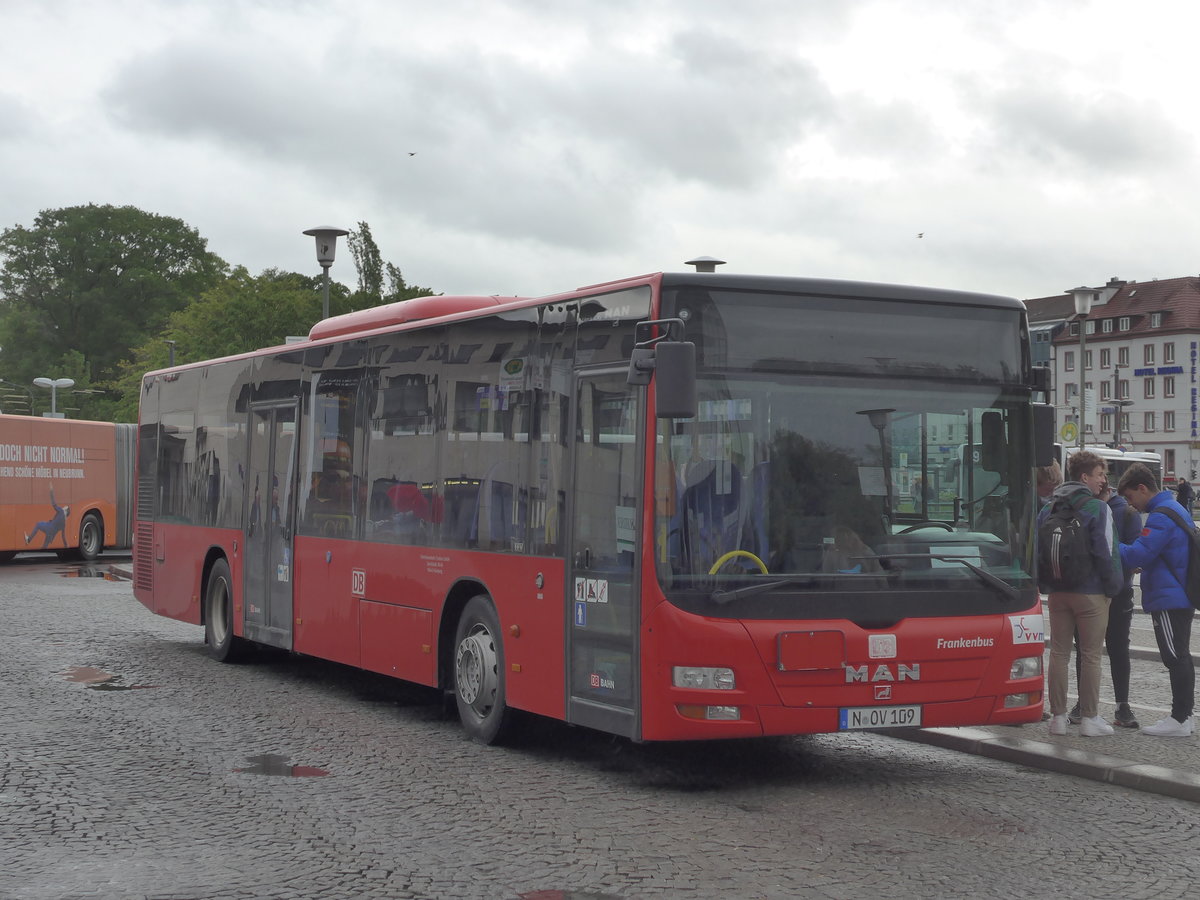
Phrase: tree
pixel 368 261
pixel 96 280
pixel 242 313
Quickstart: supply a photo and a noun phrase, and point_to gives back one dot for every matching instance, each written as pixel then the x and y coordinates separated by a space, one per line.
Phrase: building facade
pixel 1131 378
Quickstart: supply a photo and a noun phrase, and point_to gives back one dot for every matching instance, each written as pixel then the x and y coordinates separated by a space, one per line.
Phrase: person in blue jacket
pixel 1161 552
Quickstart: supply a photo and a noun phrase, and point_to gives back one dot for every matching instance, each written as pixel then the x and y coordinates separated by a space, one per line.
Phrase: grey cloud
pixel 16 119
pixel 1102 132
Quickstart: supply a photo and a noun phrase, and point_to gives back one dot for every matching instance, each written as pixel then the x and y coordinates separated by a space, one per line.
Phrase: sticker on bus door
pixel 591 590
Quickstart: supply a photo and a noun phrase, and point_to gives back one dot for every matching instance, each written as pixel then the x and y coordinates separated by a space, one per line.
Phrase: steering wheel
pixel 732 554
pixel 945 525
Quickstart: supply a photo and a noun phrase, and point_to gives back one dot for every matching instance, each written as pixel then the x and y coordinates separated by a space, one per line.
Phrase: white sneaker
pixel 1094 727
pixel 1058 724
pixel 1169 727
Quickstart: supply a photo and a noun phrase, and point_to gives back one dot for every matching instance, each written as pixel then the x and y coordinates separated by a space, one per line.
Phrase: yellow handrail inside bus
pixel 735 553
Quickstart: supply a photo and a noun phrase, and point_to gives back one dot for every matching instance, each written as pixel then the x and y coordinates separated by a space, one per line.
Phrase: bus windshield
pixel 802 495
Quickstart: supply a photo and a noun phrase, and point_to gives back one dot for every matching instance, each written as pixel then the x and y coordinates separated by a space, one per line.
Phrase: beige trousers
pixel 1089 614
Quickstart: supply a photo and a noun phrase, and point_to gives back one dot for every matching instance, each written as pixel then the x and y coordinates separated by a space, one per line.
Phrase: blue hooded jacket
pixel 1161 552
pixel 1128 523
pixel 1107 577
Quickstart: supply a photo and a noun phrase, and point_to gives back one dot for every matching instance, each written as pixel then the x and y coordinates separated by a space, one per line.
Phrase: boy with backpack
pixel 1079 567
pixel 1161 552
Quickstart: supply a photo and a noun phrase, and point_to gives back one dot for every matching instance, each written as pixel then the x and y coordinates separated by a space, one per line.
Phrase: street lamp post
pixel 326 236
pixel 1119 407
pixel 1084 296
pixel 54 384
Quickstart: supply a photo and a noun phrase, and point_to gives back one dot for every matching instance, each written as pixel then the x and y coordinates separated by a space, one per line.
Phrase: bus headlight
pixel 1012 701
pixel 1026 667
pixel 703 677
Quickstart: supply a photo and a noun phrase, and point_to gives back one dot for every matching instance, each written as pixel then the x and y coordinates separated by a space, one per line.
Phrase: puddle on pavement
pixel 108 573
pixel 274 764
pixel 98 680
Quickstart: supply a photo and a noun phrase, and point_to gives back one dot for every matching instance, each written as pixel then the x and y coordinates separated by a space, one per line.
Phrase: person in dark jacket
pixel 1128 524
pixel 1161 552
pixel 1085 605
pixel 1185 494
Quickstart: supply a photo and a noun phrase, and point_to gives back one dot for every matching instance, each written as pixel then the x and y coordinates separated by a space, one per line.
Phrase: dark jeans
pixel 1116 644
pixel 1173 629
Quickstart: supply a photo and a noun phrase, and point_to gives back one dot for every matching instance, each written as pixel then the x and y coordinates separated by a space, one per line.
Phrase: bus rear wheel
pixel 479 672
pixel 91 537
pixel 223 644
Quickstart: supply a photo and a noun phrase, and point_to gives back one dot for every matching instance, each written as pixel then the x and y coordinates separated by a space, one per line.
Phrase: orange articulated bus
pixel 65 486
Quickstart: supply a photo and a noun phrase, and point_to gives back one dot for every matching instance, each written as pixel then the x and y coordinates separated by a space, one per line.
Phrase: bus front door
pixel 267 538
pixel 602 592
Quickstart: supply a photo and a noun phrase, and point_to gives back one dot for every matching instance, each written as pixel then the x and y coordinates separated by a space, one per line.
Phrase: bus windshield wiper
pixel 998 584
pixel 750 590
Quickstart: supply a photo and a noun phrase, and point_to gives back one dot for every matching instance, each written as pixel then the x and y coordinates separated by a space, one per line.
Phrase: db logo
pixel 358 582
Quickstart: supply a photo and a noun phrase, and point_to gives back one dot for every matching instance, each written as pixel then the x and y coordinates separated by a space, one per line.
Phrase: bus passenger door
pixel 602 590
pixel 268 524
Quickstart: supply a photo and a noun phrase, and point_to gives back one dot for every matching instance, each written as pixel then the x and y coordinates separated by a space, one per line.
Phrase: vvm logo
pixel 1028 629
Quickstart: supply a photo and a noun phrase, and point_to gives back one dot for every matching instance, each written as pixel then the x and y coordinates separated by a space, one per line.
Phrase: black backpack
pixel 1064 545
pixel 1191 579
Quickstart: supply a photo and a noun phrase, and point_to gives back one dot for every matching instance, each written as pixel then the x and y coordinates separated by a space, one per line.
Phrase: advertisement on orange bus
pixel 64 485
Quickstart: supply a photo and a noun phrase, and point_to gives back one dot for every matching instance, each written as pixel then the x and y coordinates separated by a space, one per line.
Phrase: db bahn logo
pixel 883 672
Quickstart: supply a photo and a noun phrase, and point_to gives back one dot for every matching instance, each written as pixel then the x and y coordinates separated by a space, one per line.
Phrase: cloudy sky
pixel 531 146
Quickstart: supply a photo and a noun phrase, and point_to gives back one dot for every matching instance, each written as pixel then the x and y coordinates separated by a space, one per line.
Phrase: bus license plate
pixel 858 718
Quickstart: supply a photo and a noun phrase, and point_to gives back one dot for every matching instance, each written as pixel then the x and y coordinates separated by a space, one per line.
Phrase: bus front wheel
pixel 91 537
pixel 479 672
pixel 223 644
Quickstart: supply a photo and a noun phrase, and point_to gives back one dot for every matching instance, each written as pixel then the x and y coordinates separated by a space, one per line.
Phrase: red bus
pixel 480 494
pixel 66 485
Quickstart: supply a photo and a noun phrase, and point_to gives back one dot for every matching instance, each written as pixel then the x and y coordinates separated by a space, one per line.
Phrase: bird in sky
pixel 412 153
pixel 920 234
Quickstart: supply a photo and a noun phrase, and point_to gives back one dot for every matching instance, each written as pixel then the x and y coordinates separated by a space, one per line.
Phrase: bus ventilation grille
pixel 143 556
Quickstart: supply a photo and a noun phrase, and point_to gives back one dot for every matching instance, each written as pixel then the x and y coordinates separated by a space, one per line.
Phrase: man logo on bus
pixel 883 672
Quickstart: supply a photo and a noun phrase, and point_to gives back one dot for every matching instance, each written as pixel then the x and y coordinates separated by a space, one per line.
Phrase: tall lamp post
pixel 326 236
pixel 1084 296
pixel 54 384
pixel 1119 407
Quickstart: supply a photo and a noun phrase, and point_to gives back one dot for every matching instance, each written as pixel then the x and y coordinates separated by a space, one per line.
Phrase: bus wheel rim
pixel 477 664
pixel 220 614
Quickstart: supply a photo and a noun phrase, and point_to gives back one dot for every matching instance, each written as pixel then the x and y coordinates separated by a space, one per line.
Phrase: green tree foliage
pixel 368 261
pixel 94 281
pixel 242 313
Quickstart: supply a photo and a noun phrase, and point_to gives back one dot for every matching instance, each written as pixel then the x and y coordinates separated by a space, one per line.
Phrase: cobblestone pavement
pixel 132 766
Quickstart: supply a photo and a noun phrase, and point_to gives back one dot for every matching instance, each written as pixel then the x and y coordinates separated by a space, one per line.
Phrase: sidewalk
pixel 1129 759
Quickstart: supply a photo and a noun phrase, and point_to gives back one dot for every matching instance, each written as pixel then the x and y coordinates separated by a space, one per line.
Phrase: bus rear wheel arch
pixel 478 672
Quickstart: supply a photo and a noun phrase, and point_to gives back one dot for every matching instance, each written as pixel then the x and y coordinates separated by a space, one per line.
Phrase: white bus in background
pixel 1118 460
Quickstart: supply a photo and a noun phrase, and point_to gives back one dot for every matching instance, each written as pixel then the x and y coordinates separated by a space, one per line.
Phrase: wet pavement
pixel 1127 758
pixel 287 778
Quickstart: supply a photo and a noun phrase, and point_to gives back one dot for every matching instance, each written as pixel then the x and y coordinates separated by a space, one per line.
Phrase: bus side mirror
pixel 1043 434
pixel 675 379
pixel 671 362
pixel 992 449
